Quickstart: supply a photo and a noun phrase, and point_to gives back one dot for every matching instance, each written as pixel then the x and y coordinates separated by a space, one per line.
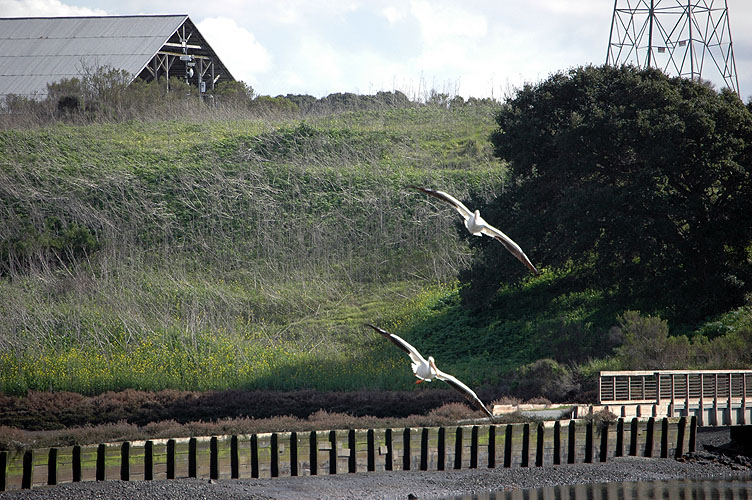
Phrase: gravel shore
pixel 398 485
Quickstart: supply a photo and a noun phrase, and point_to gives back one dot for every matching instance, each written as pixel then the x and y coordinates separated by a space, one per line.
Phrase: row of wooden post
pixel 620 449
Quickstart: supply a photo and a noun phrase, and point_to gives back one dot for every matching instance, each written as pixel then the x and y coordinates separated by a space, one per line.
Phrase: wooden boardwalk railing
pixel 349 451
pixel 716 397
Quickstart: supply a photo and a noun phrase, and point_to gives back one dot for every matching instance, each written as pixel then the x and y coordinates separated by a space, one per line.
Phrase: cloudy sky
pixel 479 48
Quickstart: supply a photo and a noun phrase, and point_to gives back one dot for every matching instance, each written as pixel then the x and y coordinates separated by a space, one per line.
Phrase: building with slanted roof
pixel 36 51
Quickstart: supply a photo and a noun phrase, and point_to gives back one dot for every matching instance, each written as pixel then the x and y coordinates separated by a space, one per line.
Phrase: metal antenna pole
pixel 651 17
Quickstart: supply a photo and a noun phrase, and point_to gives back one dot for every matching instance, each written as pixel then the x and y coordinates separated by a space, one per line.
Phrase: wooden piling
pixel 213 458
pixel 441 455
pixel 294 454
pixel 508 446
pixel 3 470
pixel 193 457
pixel 680 427
pixel 603 452
pixel 313 453
pixel 148 460
pixel 491 446
pixel 337 451
pixel 649 437
pixel 52 467
pixel 539 449
pixel 371 455
pixel 557 443
pixel 76 465
pixel 125 461
pixel 664 436
pixel 458 448
pixel 633 437
pixel 27 479
pixel 170 465
pixel 619 450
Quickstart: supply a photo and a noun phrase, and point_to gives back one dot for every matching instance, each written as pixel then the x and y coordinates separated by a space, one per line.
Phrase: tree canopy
pixel 639 183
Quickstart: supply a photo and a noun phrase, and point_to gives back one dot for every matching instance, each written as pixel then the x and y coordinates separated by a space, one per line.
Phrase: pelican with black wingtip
pixel 478 227
pixel 425 370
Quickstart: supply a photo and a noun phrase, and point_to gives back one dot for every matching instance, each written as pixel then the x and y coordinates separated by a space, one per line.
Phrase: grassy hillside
pixel 241 254
pixel 248 254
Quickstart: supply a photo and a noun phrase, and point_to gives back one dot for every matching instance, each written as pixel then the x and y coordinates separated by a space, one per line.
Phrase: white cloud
pixel 44 8
pixel 443 20
pixel 237 47
pixel 393 14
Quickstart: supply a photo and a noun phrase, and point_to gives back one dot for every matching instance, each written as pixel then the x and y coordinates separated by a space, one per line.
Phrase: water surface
pixel 684 489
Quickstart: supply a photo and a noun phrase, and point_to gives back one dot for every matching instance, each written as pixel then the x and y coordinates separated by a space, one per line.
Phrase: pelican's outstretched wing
pixel 510 245
pixel 465 390
pixel 461 208
pixel 415 356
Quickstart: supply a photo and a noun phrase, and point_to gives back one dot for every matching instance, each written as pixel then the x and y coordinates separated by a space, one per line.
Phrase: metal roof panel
pixel 38 51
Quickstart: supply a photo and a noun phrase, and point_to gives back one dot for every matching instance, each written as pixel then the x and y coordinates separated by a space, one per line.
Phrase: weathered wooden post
pixel 424 449
pixel 52 467
pixel 589 442
pixel 633 437
pixel 3 470
pixel 294 454
pixel 539 445
pixel 406 449
pixel 76 465
pixel 441 455
pixel 692 434
pixel 649 437
pixel 571 450
pixel 619 451
pixel 371 445
pixel 192 457
pixel 213 458
pixel 352 460
pixel 458 448
pixel 313 453
pixel 125 461
pixel 333 452
pixel 149 460
pixel 557 443
pixel 389 459
pixel 525 445
pixel 508 446
pixel 491 446
pixel 664 437
pixel 255 457
pixel 170 459
pixel 603 455
pixel 101 462
pixel 27 477
pixel 474 447
pixel 680 437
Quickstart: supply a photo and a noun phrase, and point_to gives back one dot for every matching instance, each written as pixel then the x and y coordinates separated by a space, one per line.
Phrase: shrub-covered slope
pixel 242 254
pixel 249 254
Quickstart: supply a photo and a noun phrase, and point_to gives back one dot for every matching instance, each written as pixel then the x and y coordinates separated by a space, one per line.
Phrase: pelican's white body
pixel 426 370
pixel 475 224
pixel 478 227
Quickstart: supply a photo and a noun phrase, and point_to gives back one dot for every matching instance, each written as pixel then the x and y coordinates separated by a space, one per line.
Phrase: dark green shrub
pixel 544 378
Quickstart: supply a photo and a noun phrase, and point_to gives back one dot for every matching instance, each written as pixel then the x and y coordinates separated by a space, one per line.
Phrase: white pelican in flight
pixel 478 227
pixel 425 370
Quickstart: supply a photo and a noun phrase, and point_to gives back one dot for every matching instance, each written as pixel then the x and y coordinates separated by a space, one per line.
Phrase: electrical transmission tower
pixel 689 38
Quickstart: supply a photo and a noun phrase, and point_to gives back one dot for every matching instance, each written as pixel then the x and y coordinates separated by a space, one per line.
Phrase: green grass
pixel 226 254
pixel 250 254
